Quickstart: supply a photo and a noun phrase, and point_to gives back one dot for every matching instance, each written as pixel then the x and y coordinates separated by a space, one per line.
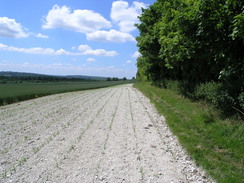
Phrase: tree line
pixel 197 43
pixel 20 79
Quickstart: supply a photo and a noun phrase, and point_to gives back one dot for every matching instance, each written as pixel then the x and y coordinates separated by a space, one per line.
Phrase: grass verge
pixel 215 144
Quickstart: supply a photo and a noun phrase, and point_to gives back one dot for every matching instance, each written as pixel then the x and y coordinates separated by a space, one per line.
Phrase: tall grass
pixel 215 144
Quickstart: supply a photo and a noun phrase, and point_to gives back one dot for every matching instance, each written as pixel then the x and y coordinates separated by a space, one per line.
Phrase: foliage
pixel 194 42
pixel 115 79
pixel 214 143
pixel 208 92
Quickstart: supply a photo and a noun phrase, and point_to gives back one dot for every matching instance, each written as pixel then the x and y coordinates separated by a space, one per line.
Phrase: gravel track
pixel 105 135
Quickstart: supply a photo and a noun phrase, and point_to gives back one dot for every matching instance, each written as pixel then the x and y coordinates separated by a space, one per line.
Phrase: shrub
pixel 208 92
pixel 221 97
pixel 187 88
pixel 173 85
pixel 241 100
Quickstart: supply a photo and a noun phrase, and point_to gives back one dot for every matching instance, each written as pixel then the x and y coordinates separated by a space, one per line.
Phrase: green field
pixel 15 92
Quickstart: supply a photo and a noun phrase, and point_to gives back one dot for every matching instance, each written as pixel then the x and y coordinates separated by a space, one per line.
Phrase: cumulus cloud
pixel 125 15
pixel 39 35
pixel 91 60
pixel 36 50
pixel 83 50
pixel 10 28
pixel 57 64
pixel 110 36
pixel 86 50
pixel 128 61
pixel 136 54
pixel 80 20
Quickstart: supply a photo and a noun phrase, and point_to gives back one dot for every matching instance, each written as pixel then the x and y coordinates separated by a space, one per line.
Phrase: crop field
pixel 105 135
pixel 13 92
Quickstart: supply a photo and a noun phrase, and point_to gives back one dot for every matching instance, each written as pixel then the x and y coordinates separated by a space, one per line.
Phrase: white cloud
pixel 91 60
pixel 36 50
pixel 126 16
pixel 86 50
pixel 39 35
pixel 136 54
pixel 57 64
pixel 10 28
pixel 80 20
pixel 128 61
pixel 110 36
pixel 83 48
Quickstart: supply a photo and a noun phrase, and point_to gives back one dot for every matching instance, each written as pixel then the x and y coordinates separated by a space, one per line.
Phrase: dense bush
pixel 208 92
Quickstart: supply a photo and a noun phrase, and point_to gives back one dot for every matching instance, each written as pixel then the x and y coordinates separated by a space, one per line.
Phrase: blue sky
pixel 74 37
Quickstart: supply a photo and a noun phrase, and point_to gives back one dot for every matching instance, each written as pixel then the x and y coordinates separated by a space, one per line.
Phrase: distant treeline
pixel 117 79
pixel 199 44
pixel 19 79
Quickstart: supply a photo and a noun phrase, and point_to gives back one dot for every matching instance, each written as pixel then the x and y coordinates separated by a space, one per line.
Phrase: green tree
pixel 149 63
pixel 194 42
pixel 115 79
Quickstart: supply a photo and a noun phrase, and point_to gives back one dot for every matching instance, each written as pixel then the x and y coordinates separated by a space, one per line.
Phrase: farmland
pixel 91 136
pixel 14 92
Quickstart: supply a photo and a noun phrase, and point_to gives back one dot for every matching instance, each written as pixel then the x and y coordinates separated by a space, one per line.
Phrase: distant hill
pixel 24 74
pixel 86 77
pixel 18 74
